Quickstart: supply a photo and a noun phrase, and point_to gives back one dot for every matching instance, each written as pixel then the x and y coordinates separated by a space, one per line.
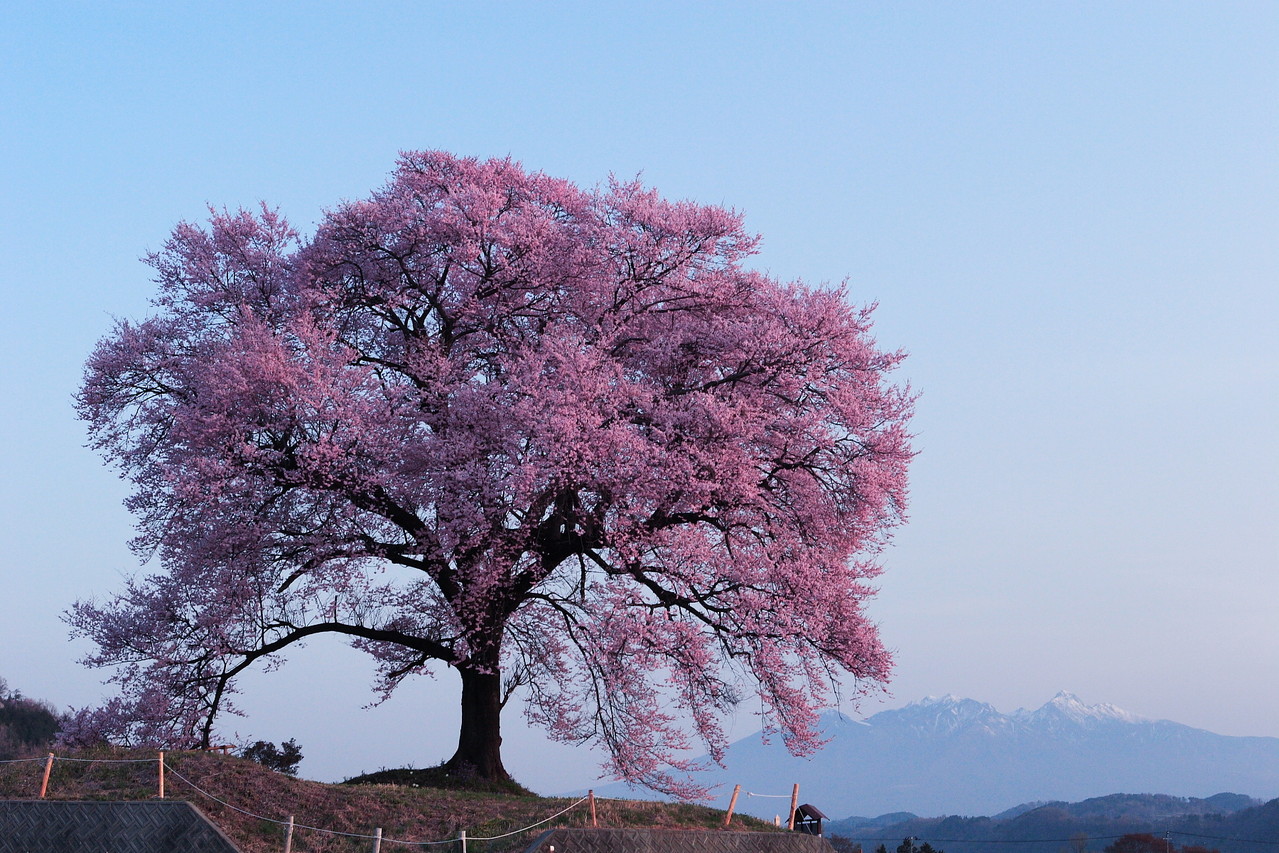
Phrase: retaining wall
pixel 675 841
pixel 160 826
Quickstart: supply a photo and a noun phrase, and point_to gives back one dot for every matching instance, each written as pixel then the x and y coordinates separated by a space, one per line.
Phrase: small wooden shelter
pixel 808 819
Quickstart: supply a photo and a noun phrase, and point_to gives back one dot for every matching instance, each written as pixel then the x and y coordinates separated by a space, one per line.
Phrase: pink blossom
pixel 560 441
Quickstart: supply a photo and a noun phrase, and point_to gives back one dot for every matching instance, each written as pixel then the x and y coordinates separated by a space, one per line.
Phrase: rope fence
pixel 377 838
pixel 777 821
pixel 289 825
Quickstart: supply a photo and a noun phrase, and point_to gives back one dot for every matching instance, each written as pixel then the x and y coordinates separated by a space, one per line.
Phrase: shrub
pixel 283 759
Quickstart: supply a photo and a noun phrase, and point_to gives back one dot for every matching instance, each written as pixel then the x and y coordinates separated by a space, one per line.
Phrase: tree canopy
pixel 561 441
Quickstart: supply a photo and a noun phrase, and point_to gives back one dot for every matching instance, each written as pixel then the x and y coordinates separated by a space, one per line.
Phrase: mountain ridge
pixel 952 755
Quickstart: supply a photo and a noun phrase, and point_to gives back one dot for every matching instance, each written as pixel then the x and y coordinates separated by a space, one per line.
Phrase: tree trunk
pixel 479 746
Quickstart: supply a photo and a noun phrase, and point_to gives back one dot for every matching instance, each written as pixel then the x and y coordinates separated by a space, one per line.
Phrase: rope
pixel 385 840
pixel 569 808
pixel 200 790
pixel 103 760
pixel 531 825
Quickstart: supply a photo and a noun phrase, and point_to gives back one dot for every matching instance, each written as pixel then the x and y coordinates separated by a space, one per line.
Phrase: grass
pixel 251 803
pixel 439 777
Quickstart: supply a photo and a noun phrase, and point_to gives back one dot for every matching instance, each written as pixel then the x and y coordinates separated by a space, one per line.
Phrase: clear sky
pixel 1067 212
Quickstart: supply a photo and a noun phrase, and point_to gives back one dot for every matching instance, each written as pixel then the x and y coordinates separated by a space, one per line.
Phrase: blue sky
pixel 1067 213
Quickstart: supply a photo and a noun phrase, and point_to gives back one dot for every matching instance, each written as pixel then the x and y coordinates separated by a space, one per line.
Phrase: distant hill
pixel 1231 823
pixel 958 756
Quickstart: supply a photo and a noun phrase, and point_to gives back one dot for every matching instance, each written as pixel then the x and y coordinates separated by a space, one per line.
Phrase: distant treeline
pixel 27 726
pixel 1231 823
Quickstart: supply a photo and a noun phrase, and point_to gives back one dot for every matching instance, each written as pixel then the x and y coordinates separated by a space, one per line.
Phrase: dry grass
pixel 403 812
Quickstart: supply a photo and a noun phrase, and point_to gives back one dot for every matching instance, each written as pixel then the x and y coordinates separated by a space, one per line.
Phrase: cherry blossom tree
pixel 563 442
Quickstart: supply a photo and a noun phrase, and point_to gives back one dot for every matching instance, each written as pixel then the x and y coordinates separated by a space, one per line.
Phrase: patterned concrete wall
pixel 675 841
pixel 47 826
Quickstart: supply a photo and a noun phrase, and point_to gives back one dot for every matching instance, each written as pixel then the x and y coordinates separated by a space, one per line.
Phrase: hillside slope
pixel 252 804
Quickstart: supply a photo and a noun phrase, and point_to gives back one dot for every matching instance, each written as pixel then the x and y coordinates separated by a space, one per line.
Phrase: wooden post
pixel 377 840
pixel 288 837
pixel 44 783
pixel 595 823
pixel 732 804
pixel 794 804
pixel 162 775
pixel 464 841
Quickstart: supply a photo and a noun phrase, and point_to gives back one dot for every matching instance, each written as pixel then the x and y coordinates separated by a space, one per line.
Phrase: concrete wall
pixel 160 826
pixel 675 841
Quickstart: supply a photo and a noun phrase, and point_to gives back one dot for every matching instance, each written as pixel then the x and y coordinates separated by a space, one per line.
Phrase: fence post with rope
pixel 777 821
pixel 290 825
pixel 52 758
pixel 732 803
pixel 44 783
pixel 378 838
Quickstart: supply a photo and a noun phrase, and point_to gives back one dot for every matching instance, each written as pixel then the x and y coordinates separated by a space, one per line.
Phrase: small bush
pixel 283 759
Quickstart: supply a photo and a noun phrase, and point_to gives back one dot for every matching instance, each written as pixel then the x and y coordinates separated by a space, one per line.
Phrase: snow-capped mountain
pixel 950 755
pixel 1065 713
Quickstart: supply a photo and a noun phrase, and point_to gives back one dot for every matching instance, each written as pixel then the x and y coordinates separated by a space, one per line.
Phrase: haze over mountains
pixel 958 756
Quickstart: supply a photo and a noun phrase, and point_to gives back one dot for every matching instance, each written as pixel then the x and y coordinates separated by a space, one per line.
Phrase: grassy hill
pixel 250 803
